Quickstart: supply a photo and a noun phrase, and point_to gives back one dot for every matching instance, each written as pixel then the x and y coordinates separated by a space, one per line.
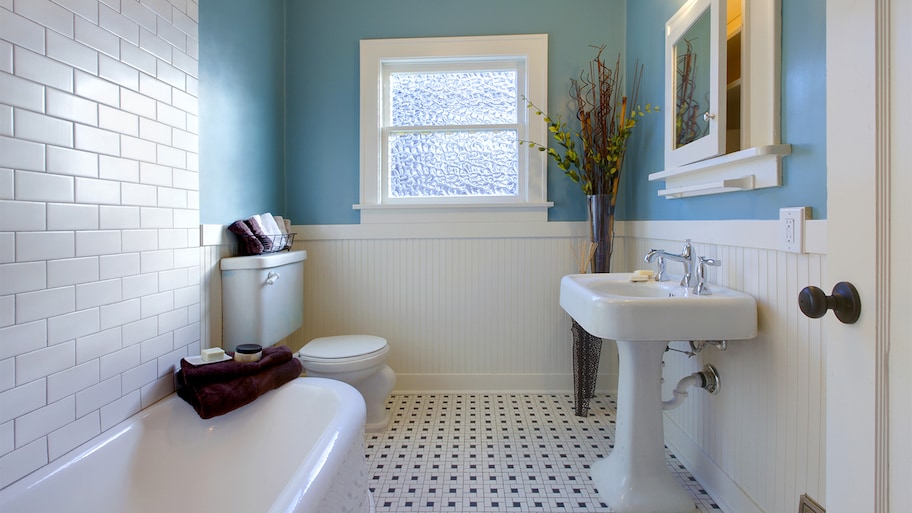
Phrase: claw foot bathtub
pixel 296 449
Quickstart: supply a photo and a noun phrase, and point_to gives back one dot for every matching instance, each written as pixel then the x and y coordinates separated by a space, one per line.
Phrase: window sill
pixel 492 212
pixel 744 170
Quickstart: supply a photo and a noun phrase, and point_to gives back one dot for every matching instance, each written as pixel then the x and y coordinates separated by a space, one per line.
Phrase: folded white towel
pixel 281 223
pixel 269 224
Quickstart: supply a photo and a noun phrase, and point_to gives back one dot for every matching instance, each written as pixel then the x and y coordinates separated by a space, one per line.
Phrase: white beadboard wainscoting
pixel 761 442
pixel 461 309
pixel 474 307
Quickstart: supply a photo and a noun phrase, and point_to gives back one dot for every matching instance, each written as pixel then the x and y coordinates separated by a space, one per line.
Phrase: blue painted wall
pixel 308 169
pixel 323 46
pixel 241 84
pixel 803 122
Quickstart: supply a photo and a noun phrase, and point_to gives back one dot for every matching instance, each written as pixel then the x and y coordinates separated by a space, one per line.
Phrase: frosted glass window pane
pixel 453 164
pixel 453 98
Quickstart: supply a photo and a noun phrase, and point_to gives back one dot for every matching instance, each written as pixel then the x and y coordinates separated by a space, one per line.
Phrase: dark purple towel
pixel 248 240
pixel 260 234
pixel 213 399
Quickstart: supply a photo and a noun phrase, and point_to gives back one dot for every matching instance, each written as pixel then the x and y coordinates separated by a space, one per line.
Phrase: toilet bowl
pixel 360 361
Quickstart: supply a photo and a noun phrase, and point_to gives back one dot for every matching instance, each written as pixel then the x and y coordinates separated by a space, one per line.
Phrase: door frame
pixel 860 169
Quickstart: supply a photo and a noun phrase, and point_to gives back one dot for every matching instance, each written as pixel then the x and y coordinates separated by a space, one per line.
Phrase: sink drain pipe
pixel 707 379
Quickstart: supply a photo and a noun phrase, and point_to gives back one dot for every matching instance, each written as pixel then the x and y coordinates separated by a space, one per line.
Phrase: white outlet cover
pixel 791 228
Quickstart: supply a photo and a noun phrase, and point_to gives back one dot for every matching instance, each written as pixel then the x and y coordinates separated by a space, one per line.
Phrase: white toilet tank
pixel 262 298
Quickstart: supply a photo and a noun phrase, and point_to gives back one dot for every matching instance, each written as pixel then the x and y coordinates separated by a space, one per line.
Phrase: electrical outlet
pixel 791 228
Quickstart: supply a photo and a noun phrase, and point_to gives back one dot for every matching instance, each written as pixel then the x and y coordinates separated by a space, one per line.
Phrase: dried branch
pixel 606 121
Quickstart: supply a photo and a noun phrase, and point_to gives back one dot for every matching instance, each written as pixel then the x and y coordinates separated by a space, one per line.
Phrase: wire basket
pixel 270 243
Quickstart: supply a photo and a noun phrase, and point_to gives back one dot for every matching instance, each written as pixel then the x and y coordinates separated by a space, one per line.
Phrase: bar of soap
pixel 639 277
pixel 648 273
pixel 213 354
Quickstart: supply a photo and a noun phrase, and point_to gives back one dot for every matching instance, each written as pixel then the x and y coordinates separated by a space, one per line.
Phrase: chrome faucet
pixel 687 257
pixel 694 267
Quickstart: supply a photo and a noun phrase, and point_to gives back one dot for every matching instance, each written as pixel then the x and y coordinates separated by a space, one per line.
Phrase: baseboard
pixel 522 383
pixel 726 492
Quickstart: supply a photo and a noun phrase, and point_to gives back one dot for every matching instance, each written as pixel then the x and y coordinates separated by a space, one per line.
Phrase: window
pixel 441 125
pixel 452 134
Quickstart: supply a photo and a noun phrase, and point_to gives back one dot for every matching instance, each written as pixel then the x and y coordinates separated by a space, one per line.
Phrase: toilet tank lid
pixel 262 261
pixel 342 346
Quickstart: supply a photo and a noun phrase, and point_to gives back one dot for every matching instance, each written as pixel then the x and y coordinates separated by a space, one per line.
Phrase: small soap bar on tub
pixel 212 354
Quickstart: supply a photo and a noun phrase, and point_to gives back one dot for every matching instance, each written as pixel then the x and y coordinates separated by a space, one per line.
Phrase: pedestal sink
pixel 643 317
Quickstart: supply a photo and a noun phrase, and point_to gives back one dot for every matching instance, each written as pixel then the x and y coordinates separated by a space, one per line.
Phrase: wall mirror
pixel 692 110
pixel 722 85
pixel 694 59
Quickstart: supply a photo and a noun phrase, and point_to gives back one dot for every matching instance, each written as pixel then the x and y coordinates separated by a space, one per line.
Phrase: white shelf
pixel 745 183
pixel 753 168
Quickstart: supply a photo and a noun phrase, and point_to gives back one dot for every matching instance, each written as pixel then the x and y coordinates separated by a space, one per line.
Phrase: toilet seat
pixel 343 353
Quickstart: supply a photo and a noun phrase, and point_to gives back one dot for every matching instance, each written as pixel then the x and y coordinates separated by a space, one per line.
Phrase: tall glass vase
pixel 587 348
pixel 601 230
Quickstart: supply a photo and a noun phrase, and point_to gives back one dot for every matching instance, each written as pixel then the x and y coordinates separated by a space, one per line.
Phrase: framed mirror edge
pixel 714 142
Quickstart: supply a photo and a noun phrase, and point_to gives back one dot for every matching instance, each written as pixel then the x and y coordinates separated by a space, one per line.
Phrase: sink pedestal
pixel 642 316
pixel 635 477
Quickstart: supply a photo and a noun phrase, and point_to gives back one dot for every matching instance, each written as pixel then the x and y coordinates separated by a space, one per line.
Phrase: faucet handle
pixel 660 269
pixel 701 288
pixel 715 262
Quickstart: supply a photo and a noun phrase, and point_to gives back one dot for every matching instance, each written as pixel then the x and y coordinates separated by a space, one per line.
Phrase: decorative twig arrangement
pixel 607 120
pixel 604 124
pixel 687 109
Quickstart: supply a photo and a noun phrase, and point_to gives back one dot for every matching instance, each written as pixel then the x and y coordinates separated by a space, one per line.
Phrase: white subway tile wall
pixel 99 221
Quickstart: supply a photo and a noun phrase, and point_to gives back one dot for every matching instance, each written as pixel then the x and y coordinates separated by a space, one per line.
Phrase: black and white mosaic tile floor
pixel 496 452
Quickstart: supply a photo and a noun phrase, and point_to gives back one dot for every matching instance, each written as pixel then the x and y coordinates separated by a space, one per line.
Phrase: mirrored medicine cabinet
pixel 722 98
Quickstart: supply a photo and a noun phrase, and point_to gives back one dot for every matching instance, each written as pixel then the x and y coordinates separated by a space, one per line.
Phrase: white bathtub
pixel 298 449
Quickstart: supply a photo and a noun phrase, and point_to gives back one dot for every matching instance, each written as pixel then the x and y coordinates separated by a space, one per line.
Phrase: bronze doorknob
pixel 845 302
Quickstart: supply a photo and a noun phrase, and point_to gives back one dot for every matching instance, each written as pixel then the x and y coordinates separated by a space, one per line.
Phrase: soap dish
pixel 198 360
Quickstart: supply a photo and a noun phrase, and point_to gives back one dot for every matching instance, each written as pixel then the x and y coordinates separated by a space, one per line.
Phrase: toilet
pixel 360 361
pixel 263 302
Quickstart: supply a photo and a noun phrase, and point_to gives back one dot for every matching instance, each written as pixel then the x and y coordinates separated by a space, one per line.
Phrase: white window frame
pixel 378 56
